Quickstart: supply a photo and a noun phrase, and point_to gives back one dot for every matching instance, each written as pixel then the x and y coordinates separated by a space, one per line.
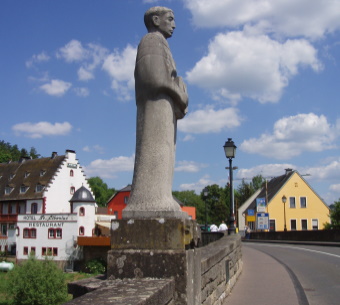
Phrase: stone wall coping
pixel 143 291
pixel 216 251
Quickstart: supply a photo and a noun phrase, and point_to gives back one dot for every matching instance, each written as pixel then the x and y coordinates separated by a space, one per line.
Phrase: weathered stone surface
pixel 155 234
pixel 128 291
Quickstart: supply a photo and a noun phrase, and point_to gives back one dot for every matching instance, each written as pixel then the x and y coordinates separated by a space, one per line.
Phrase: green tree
pixel 36 282
pixel 12 152
pixel 245 190
pixel 335 215
pixel 189 198
pixel 100 190
pixel 217 204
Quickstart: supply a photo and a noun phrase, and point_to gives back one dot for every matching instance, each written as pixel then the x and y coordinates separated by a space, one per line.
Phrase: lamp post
pixel 205 194
pixel 230 151
pixel 284 199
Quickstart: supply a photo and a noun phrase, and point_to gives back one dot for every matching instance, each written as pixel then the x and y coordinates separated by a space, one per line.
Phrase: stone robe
pixel 161 99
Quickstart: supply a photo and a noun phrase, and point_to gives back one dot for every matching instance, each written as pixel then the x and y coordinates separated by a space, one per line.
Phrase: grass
pixel 70 277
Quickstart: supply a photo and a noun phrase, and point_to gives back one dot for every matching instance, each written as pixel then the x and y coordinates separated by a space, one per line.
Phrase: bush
pixel 37 282
pixel 95 266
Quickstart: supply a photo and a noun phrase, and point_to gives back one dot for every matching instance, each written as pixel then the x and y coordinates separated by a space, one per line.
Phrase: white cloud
pixel 56 87
pixel 120 67
pixel 294 135
pixel 197 186
pixel 84 74
pixel 188 138
pixel 267 171
pixel 38 130
pixel 107 168
pixel 335 188
pixel 241 65
pixel 209 121
pixel 189 166
pixel 83 92
pixel 42 57
pixel 72 52
pixel 284 17
pixel 95 148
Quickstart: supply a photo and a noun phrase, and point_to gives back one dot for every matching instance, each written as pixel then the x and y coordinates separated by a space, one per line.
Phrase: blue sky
pixel 264 73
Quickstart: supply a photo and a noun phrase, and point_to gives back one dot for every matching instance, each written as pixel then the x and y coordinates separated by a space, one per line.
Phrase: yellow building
pixel 303 209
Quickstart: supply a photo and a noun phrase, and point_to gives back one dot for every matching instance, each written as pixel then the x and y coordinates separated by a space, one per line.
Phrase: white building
pixel 45 204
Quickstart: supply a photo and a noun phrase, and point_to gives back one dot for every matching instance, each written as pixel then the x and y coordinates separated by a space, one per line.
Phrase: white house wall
pixel 58 194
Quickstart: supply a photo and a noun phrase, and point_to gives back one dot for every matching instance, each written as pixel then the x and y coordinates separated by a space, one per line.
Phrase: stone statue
pixel 161 99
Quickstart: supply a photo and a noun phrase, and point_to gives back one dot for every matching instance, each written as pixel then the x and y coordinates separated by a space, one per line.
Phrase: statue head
pixel 160 19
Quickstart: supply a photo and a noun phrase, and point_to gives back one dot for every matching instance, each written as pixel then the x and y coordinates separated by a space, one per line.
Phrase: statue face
pixel 165 24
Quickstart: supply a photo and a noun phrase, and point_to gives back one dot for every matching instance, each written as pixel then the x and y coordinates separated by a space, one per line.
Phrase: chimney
pixel 288 171
pixel 54 154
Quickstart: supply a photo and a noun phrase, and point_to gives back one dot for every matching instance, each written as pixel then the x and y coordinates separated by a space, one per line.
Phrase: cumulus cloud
pixel 72 52
pixel 239 65
pixel 37 58
pixel 297 134
pixel 120 67
pixel 41 129
pixel 291 18
pixel 189 166
pixel 95 148
pixel 209 121
pixel 56 87
pixel 197 186
pixel 107 168
pixel 267 171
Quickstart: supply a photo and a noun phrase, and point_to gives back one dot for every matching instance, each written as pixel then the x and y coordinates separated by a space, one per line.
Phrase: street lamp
pixel 230 151
pixel 205 195
pixel 284 199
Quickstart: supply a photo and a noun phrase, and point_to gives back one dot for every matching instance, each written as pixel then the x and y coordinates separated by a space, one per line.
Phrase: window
pixel 71 173
pixel 315 224
pixel 59 233
pixel 126 199
pixel 30 233
pixel 12 209
pixel 4 229
pixel 34 208
pixel 17 231
pixel 303 224
pixel 55 233
pixel 39 188
pixel 42 172
pixel 72 190
pixel 55 251
pixel 11 176
pixel 272 226
pixel 81 231
pixel 43 251
pixel 27 174
pixel 25 250
pixel 32 250
pixel 8 190
pixel 51 233
pixel 23 189
pixel 292 202
pixel 303 202
pixel 293 224
pixel 82 211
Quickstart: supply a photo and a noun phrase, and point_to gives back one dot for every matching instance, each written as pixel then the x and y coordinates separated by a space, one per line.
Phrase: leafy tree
pixel 189 198
pixel 245 190
pixel 335 215
pixel 37 282
pixel 101 191
pixel 12 152
pixel 217 204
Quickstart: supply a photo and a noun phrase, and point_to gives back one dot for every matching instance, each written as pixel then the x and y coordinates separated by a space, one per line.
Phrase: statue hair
pixel 154 11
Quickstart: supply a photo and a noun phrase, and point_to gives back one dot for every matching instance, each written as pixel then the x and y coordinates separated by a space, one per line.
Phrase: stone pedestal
pixel 158 248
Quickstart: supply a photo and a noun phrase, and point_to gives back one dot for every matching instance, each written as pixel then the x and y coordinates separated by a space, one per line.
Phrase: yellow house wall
pixel 315 208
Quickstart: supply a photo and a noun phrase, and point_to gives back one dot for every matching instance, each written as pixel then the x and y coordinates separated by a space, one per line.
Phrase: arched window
pixel 82 211
pixel 34 208
pixel 71 173
pixel 72 190
pixel 17 231
pixel 81 231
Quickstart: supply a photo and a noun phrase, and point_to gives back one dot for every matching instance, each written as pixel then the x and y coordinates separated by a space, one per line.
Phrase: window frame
pixel 81 211
pixel 25 251
pixel 81 231
pixel 302 227
pixel 305 198
pixel 291 226
pixel 292 201
pixel 34 208
pixel 317 223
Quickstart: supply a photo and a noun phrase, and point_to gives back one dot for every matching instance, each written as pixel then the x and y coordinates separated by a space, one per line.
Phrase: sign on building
pixel 262 221
pixel 261 205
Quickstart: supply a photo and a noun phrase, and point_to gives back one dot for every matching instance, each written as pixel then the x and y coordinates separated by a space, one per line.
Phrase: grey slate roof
pixel 82 195
pixel 27 173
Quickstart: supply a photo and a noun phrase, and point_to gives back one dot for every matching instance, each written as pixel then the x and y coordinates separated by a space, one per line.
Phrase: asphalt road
pixel 315 270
